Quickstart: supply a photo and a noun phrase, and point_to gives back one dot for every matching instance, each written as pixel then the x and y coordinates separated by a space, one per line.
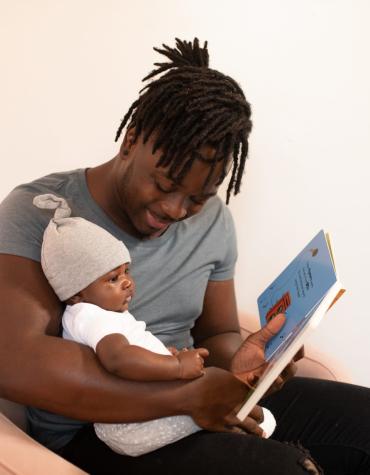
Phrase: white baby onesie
pixel 87 324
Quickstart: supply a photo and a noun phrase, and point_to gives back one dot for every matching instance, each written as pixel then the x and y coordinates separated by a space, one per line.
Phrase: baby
pixel 89 270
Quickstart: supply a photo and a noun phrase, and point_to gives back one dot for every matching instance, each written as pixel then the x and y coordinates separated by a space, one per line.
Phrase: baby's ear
pixel 75 299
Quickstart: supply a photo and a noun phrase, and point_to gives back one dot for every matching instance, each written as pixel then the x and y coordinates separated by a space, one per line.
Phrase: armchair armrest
pixel 21 455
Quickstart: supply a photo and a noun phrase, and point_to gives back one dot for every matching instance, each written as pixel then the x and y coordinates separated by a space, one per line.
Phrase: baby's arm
pixel 133 362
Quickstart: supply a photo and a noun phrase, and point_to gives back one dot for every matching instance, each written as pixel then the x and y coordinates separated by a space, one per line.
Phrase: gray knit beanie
pixel 76 252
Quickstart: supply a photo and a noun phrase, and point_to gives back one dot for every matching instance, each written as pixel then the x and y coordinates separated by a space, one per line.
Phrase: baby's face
pixel 113 291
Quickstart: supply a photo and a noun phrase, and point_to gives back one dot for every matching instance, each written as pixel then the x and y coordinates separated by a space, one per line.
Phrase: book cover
pixel 304 291
pixel 298 290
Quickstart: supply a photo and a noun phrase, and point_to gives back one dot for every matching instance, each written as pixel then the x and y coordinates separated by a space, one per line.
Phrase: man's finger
pixel 248 425
pixel 289 371
pixel 299 355
pixel 250 378
pixel 257 414
pixel 276 386
pixel 271 328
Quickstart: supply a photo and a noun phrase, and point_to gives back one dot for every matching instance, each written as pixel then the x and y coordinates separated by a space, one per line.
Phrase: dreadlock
pixel 189 106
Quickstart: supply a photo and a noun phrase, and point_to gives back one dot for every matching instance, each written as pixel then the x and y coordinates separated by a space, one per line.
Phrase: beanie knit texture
pixel 75 252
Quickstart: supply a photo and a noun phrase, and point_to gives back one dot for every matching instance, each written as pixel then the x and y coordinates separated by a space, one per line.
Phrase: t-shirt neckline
pixel 127 238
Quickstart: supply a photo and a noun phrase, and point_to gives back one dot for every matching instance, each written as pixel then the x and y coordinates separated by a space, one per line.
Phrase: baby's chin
pixel 122 308
pixel 126 304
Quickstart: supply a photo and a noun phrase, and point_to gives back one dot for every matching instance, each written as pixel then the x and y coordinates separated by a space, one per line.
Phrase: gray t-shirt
pixel 171 271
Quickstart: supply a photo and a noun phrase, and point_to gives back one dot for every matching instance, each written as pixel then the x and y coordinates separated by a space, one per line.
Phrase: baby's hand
pixel 191 362
pixel 174 351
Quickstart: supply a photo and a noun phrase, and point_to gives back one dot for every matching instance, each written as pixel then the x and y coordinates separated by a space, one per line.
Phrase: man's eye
pixel 163 189
pixel 198 201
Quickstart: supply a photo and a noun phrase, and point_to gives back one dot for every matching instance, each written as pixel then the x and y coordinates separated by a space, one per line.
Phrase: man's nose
pixel 174 208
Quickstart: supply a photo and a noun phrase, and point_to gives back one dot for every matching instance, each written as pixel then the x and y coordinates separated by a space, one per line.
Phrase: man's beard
pixel 127 195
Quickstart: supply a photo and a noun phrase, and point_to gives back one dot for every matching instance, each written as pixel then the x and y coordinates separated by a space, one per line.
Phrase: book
pixel 304 291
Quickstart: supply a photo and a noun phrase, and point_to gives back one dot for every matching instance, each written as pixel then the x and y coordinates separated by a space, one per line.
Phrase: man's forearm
pixel 222 348
pixel 65 378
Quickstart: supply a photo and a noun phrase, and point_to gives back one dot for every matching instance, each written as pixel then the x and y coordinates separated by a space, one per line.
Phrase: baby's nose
pixel 126 283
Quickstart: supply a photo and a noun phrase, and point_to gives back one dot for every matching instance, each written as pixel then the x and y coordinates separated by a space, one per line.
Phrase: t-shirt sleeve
pixel 224 268
pixel 92 324
pixel 22 224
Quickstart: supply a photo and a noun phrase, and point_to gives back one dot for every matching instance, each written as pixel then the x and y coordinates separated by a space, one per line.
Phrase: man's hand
pixel 249 362
pixel 250 425
pixel 214 401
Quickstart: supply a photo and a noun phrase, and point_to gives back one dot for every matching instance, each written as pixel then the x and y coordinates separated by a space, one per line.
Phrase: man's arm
pixel 217 329
pixel 37 368
pixel 139 364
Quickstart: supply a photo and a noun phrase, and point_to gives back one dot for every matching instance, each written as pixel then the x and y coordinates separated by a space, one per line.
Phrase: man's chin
pixel 142 230
pixel 150 233
pixel 158 233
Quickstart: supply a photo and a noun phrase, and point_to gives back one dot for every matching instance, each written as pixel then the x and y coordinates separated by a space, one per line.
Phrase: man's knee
pixel 306 461
pixel 311 468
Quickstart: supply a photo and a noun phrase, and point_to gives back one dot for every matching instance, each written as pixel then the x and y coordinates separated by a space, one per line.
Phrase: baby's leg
pixel 142 437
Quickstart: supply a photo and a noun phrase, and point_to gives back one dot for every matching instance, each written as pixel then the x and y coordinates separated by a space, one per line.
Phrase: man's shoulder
pixel 51 183
pixel 19 202
pixel 21 223
pixel 215 214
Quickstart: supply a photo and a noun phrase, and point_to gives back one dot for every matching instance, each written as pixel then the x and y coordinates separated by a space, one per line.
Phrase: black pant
pixel 331 420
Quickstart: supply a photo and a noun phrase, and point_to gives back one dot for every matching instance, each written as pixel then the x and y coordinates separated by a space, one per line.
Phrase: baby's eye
pixel 113 279
pixel 127 270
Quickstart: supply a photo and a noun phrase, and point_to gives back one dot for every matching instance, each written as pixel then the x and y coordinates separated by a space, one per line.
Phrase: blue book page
pixel 297 291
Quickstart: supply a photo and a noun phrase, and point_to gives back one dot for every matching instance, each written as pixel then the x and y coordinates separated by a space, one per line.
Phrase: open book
pixel 304 292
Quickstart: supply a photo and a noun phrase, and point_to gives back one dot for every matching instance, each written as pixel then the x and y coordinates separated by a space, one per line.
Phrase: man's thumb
pixel 269 330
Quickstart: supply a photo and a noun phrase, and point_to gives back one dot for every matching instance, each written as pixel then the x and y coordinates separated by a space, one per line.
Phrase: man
pixel 185 132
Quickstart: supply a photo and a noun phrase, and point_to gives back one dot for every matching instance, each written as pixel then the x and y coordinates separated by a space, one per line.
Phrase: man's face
pixel 150 199
pixel 113 291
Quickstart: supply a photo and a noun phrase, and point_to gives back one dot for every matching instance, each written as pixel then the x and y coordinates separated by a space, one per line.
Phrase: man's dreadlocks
pixel 189 106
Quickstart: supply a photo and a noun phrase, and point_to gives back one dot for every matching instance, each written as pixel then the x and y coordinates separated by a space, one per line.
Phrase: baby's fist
pixel 191 362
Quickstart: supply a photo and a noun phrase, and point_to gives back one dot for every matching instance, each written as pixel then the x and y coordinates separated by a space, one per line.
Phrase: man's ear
pixel 128 142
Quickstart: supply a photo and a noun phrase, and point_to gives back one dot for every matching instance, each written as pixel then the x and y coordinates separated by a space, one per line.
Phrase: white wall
pixel 71 68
